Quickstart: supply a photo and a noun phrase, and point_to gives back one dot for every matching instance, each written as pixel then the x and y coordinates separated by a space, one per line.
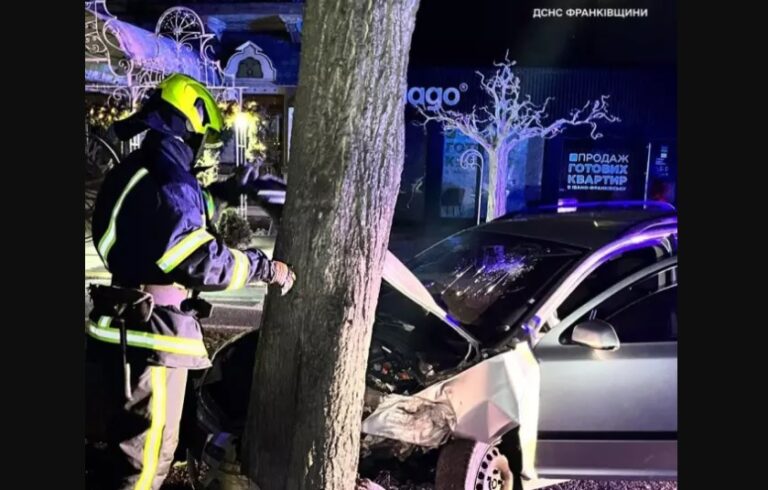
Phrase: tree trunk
pixel 306 405
pixel 498 174
pixel 493 175
pixel 502 175
pixel 498 169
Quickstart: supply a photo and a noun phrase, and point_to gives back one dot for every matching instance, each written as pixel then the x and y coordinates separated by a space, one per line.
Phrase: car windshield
pixel 486 280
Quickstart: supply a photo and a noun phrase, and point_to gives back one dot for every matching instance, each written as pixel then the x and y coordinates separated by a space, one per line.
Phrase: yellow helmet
pixel 192 99
pixel 188 97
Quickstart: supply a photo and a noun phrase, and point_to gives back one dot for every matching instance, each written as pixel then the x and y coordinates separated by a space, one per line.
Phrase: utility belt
pixel 131 299
pixel 159 321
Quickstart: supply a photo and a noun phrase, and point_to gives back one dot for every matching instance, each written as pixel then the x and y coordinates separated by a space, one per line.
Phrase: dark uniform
pixel 152 228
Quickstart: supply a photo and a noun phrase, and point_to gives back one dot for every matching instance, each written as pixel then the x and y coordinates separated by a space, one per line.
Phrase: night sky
pixel 477 32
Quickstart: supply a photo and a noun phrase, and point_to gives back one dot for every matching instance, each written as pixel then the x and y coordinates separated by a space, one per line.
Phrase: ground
pixel 178 481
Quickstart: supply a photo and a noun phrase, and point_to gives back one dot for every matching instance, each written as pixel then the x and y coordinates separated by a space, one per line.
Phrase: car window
pixel 487 281
pixel 652 318
pixel 646 311
pixel 609 274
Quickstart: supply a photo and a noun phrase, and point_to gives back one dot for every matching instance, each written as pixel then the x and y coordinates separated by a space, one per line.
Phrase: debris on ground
pixel 385 481
pixel 614 485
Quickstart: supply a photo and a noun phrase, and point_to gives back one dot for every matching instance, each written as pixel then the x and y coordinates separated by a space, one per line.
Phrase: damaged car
pixel 540 344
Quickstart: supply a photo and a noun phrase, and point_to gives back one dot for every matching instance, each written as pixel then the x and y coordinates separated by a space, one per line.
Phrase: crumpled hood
pixel 482 403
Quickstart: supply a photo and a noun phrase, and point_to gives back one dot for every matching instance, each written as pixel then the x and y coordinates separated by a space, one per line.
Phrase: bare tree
pixel 508 120
pixel 306 405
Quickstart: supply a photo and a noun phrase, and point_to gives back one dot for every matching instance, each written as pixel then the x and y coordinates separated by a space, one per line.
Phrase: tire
pixel 470 465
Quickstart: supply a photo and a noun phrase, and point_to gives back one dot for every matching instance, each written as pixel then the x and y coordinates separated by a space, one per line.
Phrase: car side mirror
pixel 595 334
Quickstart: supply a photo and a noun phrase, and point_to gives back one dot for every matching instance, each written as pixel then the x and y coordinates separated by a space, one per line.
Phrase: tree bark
pixel 348 148
pixel 502 181
pixel 498 174
pixel 493 166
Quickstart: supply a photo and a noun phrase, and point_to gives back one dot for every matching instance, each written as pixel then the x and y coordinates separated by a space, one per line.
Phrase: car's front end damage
pixel 481 403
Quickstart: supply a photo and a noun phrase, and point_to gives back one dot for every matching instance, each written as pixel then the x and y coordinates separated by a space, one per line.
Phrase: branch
pixel 488 87
pixel 589 115
pixel 512 119
pixel 469 124
pixel 503 88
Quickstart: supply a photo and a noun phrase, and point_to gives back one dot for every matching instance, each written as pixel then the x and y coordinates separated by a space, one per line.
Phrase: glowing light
pixel 242 121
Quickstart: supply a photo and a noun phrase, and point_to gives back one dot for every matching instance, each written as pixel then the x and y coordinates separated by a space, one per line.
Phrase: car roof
pixel 586 225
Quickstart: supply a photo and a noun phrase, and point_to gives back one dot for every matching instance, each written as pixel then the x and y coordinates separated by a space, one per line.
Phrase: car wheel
pixel 470 465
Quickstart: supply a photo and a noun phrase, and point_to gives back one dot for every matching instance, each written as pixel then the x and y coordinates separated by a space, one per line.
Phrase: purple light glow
pixel 146 48
pixel 569 205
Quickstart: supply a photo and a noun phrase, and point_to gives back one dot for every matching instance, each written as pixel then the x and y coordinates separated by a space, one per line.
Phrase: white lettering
pixel 451 96
pixel 433 97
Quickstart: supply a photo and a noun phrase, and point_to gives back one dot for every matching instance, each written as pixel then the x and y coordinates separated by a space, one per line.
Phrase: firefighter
pixel 152 229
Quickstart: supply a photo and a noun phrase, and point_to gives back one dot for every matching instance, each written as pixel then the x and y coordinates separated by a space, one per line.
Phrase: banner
pixel 602 171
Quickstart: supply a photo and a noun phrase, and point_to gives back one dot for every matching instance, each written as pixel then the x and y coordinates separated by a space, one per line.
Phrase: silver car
pixel 561 321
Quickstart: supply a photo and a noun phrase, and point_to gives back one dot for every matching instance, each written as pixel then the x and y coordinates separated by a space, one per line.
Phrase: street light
pixel 474 158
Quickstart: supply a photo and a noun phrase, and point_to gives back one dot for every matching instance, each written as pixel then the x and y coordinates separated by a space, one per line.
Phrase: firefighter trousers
pixel 142 432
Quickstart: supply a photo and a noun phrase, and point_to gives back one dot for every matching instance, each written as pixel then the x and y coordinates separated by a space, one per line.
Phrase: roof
pixel 144 48
pixel 585 226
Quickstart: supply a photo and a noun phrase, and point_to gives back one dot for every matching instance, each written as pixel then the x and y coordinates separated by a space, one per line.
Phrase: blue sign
pixel 598 170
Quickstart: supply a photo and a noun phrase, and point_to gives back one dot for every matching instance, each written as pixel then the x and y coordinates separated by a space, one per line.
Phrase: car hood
pixel 397 275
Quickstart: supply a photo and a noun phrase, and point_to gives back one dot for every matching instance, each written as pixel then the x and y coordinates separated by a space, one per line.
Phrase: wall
pixel 645 100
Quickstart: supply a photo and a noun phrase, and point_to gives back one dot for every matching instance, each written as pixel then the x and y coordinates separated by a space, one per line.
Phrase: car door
pixel 613 412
